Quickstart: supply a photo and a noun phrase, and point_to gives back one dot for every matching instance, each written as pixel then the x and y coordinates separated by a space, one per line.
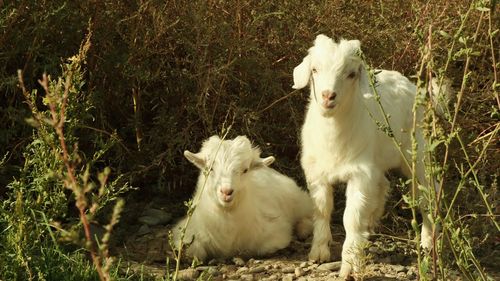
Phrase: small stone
pixel 288 277
pixel 288 270
pixel 143 230
pixel 242 269
pixel 390 275
pixel 273 277
pixel 299 272
pixel 151 221
pixel 211 270
pixel 162 216
pixel 247 277
pixel 411 273
pixel 188 274
pixel 313 266
pixel 302 279
pixel 400 268
pixel 303 264
pixel 257 269
pixel 375 250
pixel 331 266
pixel 238 261
pixel 333 274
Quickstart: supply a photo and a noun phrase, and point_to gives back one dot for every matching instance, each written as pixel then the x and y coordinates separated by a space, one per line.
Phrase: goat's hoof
pixel 426 243
pixel 345 271
pixel 320 253
pixel 426 240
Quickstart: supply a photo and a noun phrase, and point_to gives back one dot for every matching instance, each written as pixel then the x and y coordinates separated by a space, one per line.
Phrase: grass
pixel 156 78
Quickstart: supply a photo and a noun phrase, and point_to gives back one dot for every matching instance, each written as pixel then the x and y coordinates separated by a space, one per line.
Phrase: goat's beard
pixel 327 112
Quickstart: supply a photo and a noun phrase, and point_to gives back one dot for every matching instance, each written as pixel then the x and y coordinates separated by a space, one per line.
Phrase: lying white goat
pixel 342 142
pixel 244 207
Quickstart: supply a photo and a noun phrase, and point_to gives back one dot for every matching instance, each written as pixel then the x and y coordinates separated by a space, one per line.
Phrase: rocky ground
pixel 144 249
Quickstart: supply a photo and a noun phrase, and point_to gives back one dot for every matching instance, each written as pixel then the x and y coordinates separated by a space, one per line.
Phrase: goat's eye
pixel 351 75
pixel 244 171
pixel 314 70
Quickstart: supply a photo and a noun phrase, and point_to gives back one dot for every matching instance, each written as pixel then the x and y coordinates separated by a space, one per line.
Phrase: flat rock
pixel 247 277
pixel 243 269
pixel 273 277
pixel 238 261
pixel 400 268
pixel 143 230
pixel 211 270
pixel 299 272
pixel 161 216
pixel 147 220
pixel 331 266
pixel 257 269
pixel 188 274
pixel 288 270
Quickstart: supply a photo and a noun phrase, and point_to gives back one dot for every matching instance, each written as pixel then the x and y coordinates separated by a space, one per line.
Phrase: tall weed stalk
pixel 57 175
pixel 442 134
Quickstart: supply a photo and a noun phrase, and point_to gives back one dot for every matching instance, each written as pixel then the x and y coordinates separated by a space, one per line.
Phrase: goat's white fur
pixel 341 142
pixel 257 218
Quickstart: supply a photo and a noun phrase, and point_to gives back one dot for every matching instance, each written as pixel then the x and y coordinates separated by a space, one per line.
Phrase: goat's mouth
pixel 226 200
pixel 328 105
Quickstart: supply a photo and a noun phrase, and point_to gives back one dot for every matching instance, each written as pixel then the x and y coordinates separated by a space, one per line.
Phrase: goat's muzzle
pixel 226 194
pixel 328 98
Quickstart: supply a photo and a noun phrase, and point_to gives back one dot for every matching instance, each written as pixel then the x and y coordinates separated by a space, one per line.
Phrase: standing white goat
pixel 244 207
pixel 342 142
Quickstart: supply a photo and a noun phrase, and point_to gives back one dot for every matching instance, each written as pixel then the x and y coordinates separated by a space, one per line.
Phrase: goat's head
pixel 333 71
pixel 225 166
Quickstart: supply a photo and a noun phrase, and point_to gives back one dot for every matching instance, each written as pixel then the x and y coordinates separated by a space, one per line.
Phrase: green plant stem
pixel 493 59
pixel 459 98
pixel 192 208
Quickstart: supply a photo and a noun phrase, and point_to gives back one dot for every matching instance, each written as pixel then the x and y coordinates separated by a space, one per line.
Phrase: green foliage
pixel 43 196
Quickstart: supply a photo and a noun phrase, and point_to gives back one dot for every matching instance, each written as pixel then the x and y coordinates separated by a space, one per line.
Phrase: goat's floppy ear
pixel 197 159
pixel 301 73
pixel 355 45
pixel 268 160
pixel 260 162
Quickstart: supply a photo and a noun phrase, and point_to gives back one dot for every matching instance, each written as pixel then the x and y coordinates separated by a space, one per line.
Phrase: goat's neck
pixel 347 129
pixel 349 116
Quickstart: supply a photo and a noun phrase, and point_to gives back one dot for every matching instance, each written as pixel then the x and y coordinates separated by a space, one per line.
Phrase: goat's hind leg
pixel 427 226
pixel 383 190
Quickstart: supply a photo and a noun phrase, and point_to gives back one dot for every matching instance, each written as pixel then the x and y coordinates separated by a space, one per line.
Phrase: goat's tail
pixel 441 95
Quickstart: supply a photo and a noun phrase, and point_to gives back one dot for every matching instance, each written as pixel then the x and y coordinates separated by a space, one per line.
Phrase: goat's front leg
pixel 322 197
pixel 361 203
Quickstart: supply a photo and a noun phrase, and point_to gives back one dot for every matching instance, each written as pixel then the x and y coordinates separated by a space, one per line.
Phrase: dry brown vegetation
pixel 161 76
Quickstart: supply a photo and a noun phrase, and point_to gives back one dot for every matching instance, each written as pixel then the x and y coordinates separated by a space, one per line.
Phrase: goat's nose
pixel 226 191
pixel 328 95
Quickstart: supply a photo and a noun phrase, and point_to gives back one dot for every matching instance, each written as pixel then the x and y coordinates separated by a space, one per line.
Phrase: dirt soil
pixel 144 248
